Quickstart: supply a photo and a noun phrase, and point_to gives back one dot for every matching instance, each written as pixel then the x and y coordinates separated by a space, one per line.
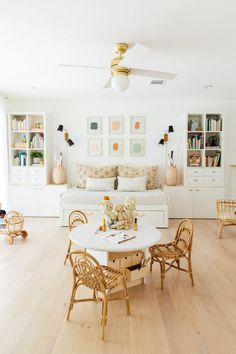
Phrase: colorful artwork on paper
pixel 94 125
pixel 116 147
pixel 137 147
pixel 137 125
pixel 116 125
pixel 94 147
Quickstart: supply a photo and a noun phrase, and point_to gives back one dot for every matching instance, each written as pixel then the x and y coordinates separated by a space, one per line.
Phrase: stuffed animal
pixel 130 210
pixel 107 207
pixel 121 222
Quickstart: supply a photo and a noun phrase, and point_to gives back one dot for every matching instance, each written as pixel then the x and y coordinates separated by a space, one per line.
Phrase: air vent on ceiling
pixel 157 82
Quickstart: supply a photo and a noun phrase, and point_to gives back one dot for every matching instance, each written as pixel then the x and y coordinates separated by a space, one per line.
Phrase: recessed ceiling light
pixel 208 86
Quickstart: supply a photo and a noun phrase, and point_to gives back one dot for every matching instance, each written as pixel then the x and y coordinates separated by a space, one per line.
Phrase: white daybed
pixel 152 205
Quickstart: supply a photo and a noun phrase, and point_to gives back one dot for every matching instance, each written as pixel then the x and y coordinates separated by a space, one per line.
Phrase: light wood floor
pixel 35 288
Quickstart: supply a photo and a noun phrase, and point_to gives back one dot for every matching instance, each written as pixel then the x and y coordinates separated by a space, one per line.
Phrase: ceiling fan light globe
pixel 120 82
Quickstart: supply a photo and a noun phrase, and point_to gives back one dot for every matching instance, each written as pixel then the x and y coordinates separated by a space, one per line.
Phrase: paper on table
pixel 114 236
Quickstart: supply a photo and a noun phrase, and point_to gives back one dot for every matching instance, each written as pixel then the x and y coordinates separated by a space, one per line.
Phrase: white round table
pixel 84 236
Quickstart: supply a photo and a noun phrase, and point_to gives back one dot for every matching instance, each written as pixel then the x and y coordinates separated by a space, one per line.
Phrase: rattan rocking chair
pixel 226 210
pixel 101 279
pixel 170 254
pixel 76 218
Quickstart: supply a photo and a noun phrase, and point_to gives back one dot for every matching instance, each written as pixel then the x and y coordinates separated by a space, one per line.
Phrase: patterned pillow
pixel 83 171
pixel 149 171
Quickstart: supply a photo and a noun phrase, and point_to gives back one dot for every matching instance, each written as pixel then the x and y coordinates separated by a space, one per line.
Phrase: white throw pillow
pixel 135 184
pixel 100 184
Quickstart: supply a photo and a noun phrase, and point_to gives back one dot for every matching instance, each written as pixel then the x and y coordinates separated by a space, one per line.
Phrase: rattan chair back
pixel 184 236
pixel 76 218
pixel 87 270
pixel 226 210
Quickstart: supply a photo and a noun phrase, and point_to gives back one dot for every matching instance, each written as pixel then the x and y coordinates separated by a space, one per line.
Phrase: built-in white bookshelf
pixel 28 158
pixel 204 156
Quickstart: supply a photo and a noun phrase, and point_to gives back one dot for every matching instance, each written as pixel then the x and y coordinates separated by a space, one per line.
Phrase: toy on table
pixel 107 207
pixel 14 224
pixel 130 210
pixel 121 216
pixel 121 219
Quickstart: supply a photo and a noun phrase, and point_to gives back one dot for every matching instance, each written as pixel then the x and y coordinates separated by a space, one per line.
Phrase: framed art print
pixel 116 147
pixel 94 125
pixel 94 147
pixel 116 125
pixel 137 147
pixel 137 125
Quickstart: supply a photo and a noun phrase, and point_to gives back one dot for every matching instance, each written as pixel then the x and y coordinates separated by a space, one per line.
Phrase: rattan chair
pixel 226 210
pixel 101 279
pixel 171 253
pixel 76 218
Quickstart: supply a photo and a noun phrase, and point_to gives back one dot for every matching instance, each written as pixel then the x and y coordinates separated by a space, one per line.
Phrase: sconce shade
pixel 70 142
pixel 60 128
pixel 171 129
pixel 161 142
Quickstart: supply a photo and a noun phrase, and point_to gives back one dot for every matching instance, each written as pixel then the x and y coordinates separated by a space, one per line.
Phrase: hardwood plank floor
pixel 35 289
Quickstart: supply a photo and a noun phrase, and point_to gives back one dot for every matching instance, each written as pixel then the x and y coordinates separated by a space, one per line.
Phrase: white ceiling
pixel 195 39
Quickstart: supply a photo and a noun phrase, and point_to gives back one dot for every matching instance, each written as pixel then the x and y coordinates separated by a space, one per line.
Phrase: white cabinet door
pixel 24 200
pixel 180 202
pixel 49 200
pixel 205 202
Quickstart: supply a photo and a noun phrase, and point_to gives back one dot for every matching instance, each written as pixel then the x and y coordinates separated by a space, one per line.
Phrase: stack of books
pixel 214 124
pixel 195 141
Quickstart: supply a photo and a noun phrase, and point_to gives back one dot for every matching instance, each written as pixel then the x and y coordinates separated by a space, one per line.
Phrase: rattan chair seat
pixel 112 277
pixel 170 251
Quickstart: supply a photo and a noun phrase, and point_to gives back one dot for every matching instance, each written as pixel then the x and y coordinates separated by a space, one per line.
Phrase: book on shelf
pixel 214 124
pixel 115 236
pixel 213 161
pixel 195 142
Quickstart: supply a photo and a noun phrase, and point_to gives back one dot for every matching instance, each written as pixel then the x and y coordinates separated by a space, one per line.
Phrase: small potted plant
pixel 37 156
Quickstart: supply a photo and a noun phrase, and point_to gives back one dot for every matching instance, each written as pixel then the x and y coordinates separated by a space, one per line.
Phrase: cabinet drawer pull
pixel 196 180
pixel 190 190
pixel 197 190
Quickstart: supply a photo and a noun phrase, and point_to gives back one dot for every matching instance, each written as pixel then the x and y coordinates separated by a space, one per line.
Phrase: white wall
pixel 159 114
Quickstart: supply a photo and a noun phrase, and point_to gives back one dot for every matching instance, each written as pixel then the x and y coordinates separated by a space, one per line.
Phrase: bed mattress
pixel 80 196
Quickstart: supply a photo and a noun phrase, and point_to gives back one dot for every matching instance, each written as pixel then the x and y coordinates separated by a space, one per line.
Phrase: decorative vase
pixel 171 176
pixel 59 175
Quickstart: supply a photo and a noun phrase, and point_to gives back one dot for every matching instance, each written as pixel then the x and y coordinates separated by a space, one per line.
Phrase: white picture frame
pixel 137 124
pixel 94 125
pixel 137 147
pixel 116 125
pixel 116 147
pixel 94 147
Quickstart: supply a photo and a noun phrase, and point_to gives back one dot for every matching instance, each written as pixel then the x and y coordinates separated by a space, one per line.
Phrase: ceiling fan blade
pixel 135 50
pixel 107 84
pixel 82 66
pixel 153 74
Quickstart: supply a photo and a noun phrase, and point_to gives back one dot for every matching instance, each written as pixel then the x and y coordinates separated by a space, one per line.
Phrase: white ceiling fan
pixel 119 80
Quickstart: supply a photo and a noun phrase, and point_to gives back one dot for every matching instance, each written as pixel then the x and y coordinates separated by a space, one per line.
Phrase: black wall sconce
pixel 66 135
pixel 165 138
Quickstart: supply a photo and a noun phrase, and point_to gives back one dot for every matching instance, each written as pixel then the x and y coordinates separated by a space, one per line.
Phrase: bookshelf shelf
pixel 27 134
pixel 204 149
